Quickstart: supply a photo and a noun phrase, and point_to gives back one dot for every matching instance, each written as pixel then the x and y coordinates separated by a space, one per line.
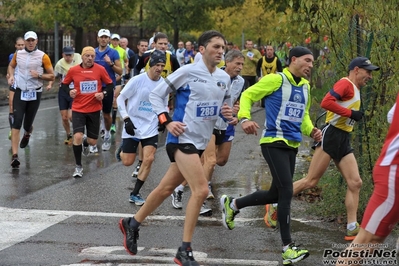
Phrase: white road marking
pixel 20 224
pixel 163 256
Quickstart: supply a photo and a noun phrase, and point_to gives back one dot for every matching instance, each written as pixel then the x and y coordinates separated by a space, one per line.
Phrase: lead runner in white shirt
pixel 201 92
pixel 199 97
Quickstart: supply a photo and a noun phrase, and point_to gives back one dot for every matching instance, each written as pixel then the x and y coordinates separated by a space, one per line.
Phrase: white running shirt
pixel 138 106
pixel 199 96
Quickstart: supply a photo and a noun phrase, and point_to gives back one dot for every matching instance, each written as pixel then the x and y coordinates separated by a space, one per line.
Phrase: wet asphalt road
pixel 49 218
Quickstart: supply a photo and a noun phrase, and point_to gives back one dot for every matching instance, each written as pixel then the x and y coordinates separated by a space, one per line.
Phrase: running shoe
pixel 78 171
pixel 205 211
pixel 93 149
pixel 294 254
pixel 118 153
pixel 9 135
pixel 176 199
pixel 271 216
pixel 228 213
pixel 185 257
pixel 210 194
pixel 136 199
pixel 106 144
pixel 136 170
pixel 85 146
pixel 68 140
pixel 130 236
pixel 113 129
pixel 351 234
pixel 15 161
pixel 24 141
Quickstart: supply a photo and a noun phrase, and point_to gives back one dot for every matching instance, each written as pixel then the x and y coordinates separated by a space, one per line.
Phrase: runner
pixel 287 118
pixel 141 123
pixel 88 95
pixel 68 60
pixel 34 66
pixel 201 89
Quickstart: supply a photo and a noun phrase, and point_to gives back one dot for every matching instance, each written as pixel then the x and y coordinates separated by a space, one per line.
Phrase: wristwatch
pixel 40 76
pixel 105 93
pixel 112 64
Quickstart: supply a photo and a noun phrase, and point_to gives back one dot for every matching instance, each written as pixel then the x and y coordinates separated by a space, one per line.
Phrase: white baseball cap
pixel 30 35
pixel 103 32
pixel 115 36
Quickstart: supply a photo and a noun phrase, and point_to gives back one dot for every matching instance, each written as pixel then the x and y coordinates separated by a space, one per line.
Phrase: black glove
pixel 357 115
pixel 161 127
pixel 129 127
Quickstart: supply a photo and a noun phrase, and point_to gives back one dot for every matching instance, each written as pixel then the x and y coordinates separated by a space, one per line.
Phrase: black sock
pixel 185 245
pixel 139 163
pixel 77 151
pixel 134 224
pixel 11 119
pixel 137 187
pixel 114 111
pixel 85 143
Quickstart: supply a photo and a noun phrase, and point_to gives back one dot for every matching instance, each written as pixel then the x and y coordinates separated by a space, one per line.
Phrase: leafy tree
pixel 357 28
pixel 182 15
pixel 78 16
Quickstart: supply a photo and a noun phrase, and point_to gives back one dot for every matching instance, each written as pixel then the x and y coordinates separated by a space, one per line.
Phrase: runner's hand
pixel 357 115
pixel 129 126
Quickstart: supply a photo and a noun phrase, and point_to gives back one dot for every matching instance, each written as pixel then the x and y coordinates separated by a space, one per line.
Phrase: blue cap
pixel 362 62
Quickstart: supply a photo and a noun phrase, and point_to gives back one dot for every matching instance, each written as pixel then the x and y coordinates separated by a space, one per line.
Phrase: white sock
pixel 107 134
pixel 275 205
pixel 233 205
pixel 351 226
pixel 286 247
pixel 102 125
pixel 179 188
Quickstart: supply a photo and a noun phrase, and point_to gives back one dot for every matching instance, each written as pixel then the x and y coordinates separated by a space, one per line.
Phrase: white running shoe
pixel 106 144
pixel 78 171
pixel 93 149
pixel 205 211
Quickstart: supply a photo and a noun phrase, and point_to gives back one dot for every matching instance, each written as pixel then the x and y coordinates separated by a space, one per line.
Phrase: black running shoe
pixel 15 162
pixel 24 141
pixel 185 257
pixel 130 236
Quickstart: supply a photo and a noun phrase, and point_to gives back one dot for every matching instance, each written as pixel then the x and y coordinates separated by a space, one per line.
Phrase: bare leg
pixel 317 168
pixel 349 170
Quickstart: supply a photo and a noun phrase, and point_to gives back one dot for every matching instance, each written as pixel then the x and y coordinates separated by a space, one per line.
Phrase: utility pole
pixel 56 42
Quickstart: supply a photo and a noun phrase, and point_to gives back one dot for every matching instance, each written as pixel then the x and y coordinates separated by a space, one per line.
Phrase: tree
pixel 182 15
pixel 78 16
pixel 357 28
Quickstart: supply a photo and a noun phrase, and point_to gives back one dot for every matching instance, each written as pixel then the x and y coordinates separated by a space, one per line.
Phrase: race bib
pixel 293 112
pixel 350 122
pixel 206 111
pixel 28 95
pixel 87 87
pixel 250 54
